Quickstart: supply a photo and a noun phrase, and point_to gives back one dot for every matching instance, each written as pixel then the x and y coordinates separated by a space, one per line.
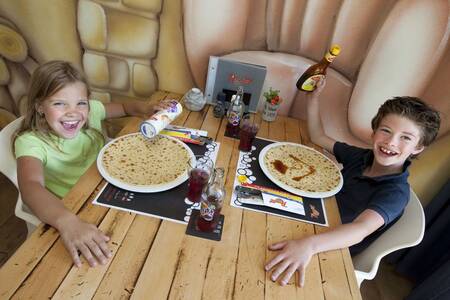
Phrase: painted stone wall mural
pixel 120 40
pixel 15 69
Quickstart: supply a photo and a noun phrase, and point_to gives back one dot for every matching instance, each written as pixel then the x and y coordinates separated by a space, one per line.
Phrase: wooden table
pixel 155 259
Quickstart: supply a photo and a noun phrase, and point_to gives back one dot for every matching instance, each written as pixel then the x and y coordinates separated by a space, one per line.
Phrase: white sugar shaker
pixel 194 99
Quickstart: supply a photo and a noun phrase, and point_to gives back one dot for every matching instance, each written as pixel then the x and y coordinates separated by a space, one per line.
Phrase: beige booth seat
pixel 389 48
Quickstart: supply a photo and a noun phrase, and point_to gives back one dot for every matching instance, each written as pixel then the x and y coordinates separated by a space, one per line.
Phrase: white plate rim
pixel 139 188
pixel 292 189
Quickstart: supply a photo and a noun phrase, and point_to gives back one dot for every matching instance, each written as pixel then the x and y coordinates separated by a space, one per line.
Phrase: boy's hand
pixel 295 255
pixel 320 85
pixel 86 238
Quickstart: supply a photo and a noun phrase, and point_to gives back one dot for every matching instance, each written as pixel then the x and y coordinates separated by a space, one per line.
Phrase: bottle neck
pixel 218 179
pixel 328 58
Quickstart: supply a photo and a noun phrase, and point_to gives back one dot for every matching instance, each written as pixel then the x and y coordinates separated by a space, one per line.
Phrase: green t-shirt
pixel 64 166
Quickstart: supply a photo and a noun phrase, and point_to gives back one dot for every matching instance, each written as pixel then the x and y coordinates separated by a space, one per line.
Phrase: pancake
pixel 136 160
pixel 302 168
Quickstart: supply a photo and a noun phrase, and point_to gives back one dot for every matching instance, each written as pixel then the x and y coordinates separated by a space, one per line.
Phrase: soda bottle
pixel 235 112
pixel 307 82
pixel 211 204
pixel 219 109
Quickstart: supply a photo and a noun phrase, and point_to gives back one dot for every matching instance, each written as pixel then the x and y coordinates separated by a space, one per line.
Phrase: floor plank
pixel 13 231
pixel 8 198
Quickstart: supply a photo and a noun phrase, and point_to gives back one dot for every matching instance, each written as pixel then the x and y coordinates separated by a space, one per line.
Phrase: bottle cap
pixel 335 50
pixel 196 90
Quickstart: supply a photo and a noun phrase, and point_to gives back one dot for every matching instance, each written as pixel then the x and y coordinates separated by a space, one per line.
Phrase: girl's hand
pixel 163 104
pixel 295 255
pixel 86 238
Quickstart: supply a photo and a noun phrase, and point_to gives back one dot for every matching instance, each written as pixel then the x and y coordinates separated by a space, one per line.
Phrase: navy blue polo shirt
pixel 387 195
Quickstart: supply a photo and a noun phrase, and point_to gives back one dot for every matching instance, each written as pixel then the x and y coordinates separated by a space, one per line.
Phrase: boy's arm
pixel 76 234
pixel 349 234
pixel 296 254
pixel 315 128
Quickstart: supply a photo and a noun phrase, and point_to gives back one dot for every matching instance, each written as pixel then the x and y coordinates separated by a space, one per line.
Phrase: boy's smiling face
pixel 395 140
pixel 66 111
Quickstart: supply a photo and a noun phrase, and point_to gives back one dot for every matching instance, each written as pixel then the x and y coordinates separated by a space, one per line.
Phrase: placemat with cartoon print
pixel 170 205
pixel 253 190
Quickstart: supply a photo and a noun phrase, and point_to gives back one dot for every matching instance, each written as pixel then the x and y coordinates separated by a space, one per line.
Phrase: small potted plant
pixel 271 104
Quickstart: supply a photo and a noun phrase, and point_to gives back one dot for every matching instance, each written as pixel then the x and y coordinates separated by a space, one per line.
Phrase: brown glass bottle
pixel 307 82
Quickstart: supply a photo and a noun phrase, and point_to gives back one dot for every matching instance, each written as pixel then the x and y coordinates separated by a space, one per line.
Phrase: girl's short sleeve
pixel 97 113
pixel 29 145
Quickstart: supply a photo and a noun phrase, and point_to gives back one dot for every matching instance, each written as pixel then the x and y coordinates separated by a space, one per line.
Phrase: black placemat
pixel 170 204
pixel 248 164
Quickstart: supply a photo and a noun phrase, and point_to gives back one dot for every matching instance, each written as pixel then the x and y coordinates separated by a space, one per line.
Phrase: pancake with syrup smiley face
pixel 139 161
pixel 302 168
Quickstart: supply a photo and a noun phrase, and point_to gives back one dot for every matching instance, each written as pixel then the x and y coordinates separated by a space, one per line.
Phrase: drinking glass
pixel 200 171
pixel 246 135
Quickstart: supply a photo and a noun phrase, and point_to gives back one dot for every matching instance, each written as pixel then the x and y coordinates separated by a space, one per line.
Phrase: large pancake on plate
pixel 137 160
pixel 302 168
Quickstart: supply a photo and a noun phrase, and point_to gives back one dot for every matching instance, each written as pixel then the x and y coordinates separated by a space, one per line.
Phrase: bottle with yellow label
pixel 307 82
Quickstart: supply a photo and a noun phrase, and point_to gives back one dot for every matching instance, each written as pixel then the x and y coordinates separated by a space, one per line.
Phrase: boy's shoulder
pixel 344 151
pixel 348 147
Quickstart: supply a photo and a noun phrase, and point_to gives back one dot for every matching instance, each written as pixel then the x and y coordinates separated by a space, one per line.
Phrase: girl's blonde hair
pixel 47 80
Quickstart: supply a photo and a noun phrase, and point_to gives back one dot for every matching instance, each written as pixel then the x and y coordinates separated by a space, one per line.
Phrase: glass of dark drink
pixel 247 134
pixel 200 170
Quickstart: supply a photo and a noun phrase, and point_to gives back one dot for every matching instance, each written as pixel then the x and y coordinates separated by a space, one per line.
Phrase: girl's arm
pixel 296 254
pixel 132 108
pixel 315 128
pixel 76 234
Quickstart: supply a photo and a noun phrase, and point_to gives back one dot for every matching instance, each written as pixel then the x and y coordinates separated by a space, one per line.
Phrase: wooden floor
pixel 387 285
pixel 13 231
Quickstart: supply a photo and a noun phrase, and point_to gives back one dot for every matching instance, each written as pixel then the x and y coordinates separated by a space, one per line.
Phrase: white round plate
pixel 289 188
pixel 142 188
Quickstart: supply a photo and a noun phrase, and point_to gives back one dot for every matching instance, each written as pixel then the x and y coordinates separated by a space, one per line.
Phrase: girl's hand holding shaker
pixel 170 110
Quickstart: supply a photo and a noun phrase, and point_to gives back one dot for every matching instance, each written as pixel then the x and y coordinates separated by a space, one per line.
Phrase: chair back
pixel 408 231
pixel 8 166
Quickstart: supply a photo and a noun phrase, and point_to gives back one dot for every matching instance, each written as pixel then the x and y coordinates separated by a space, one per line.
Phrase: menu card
pixel 226 75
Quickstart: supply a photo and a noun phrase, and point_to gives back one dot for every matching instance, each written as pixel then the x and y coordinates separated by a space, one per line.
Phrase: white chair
pixel 408 231
pixel 8 167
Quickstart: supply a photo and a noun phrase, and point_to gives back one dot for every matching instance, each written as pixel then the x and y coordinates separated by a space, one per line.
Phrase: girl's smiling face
pixel 395 140
pixel 66 111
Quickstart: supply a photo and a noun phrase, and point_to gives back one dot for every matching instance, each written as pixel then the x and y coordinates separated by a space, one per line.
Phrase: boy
pixel 375 190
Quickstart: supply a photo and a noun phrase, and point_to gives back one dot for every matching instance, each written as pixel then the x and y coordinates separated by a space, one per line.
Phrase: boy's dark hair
pixel 416 110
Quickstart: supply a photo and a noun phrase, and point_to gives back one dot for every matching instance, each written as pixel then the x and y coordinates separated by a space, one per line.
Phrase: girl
pixel 58 141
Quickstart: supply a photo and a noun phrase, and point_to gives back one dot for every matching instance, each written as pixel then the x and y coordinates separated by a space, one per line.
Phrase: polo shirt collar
pixel 368 159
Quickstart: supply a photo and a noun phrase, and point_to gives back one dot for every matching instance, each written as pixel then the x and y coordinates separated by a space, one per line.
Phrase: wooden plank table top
pixel 155 259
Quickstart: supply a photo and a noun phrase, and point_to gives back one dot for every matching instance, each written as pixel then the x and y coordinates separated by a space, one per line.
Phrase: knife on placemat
pixel 254 194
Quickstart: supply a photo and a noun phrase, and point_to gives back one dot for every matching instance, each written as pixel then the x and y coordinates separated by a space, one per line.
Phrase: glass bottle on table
pixel 219 109
pixel 235 113
pixel 307 82
pixel 211 203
